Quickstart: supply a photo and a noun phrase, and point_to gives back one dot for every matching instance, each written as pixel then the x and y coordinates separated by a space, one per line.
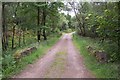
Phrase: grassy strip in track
pixel 58 66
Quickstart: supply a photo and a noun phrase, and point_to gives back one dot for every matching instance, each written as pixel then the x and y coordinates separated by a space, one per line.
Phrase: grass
pixel 108 70
pixel 17 67
pixel 57 66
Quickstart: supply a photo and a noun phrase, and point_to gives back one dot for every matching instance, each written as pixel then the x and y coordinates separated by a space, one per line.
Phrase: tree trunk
pixel 16 23
pixel 78 19
pixel 19 37
pixel 119 31
pixel 81 32
pixel 13 37
pixel 43 20
pixel 4 29
pixel 44 34
pixel 23 37
pixel 84 32
pixel 38 35
pixel 53 27
pixel 38 23
pixel 1 30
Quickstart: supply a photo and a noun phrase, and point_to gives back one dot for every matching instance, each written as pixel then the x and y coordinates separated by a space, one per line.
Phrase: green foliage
pixel 101 20
pixel 108 70
pixel 24 17
pixel 68 30
pixel 11 66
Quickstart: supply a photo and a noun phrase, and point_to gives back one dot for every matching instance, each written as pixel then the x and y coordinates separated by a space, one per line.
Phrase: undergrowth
pixel 12 67
pixel 107 70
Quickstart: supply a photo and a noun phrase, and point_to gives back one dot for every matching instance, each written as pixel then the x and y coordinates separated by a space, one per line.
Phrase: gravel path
pixel 61 61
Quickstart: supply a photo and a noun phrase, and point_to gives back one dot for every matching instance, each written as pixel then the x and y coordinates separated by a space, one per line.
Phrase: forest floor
pixel 63 60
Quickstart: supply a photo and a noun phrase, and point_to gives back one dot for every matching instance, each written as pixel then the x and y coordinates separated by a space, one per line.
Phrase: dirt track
pixel 61 61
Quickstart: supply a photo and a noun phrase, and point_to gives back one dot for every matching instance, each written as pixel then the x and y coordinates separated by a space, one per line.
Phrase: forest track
pixel 61 61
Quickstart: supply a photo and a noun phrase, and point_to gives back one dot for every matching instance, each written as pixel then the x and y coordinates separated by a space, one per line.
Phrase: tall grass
pixel 107 70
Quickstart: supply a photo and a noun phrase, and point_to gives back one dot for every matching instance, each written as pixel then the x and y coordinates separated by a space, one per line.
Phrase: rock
pixel 90 49
pixel 29 50
pixel 93 52
pixel 101 56
pixel 33 48
pixel 25 52
pixel 22 53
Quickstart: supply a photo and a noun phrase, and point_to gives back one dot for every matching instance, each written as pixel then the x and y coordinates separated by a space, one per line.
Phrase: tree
pixel 4 29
